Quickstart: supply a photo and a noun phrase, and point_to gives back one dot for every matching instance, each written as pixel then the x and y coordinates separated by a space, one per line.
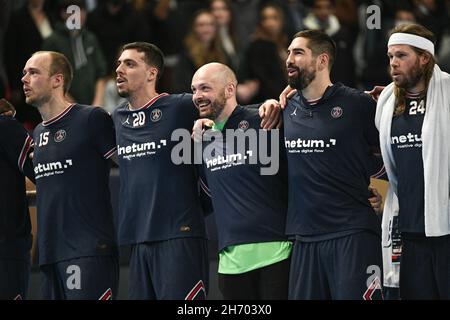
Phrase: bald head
pixel 214 89
pixel 216 72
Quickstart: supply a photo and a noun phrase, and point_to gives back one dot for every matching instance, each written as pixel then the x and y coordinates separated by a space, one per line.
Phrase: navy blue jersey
pixel 158 198
pixel 15 226
pixel 71 165
pixel 406 144
pixel 248 207
pixel 330 157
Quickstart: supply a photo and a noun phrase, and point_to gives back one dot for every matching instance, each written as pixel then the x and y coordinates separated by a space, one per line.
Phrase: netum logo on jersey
pixel 308 145
pixel 250 147
pixel 137 150
pixel 51 168
pixel 409 140
pixel 224 162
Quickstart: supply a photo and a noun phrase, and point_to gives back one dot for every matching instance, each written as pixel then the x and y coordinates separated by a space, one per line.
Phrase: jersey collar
pixel 149 104
pixel 58 117
pixel 329 91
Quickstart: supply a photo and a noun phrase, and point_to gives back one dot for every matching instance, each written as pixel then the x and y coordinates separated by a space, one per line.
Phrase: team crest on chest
pixel 337 112
pixel 156 115
pixel 243 125
pixel 60 135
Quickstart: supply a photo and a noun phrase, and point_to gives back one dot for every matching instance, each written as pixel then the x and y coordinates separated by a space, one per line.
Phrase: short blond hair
pixel 59 64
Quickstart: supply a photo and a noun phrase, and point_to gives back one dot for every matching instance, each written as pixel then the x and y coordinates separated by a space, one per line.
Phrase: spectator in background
pixel 404 15
pixel 222 12
pixel 262 72
pixel 115 22
pixel 347 13
pixel 433 15
pixel 371 55
pixel 202 46
pixel 322 18
pixel 444 50
pixel 295 12
pixel 5 12
pixel 246 18
pixel 27 29
pixel 169 21
pixel 82 49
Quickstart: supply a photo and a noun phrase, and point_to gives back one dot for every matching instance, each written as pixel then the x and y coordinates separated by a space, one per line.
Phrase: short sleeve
pixel 101 132
pixel 368 107
pixel 187 104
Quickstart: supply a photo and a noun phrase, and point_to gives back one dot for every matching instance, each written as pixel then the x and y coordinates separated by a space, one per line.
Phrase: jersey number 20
pixel 139 119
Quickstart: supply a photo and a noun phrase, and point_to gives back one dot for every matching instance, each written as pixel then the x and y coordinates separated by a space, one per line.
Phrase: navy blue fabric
pixel 15 226
pixel 175 269
pixel 406 144
pixel 14 278
pixel 348 267
pixel 87 278
pixel 330 149
pixel 248 207
pixel 159 199
pixel 72 174
pixel 425 267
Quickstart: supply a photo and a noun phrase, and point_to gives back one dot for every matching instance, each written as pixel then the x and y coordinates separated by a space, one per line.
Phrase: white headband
pixel 412 40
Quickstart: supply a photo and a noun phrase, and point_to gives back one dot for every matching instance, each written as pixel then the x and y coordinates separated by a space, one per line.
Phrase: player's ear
pixel 230 90
pixel 424 58
pixel 58 80
pixel 153 74
pixel 323 60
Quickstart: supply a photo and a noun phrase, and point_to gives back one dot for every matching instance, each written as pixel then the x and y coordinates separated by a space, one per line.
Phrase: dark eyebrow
pixel 126 60
pixel 297 50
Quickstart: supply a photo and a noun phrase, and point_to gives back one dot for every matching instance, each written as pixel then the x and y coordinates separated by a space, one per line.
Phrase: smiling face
pixel 300 64
pixel 208 94
pixel 407 67
pixel 37 81
pixel 133 73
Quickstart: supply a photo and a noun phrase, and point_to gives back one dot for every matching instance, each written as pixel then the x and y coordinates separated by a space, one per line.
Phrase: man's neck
pixel 138 101
pixel 53 107
pixel 316 88
pixel 418 88
pixel 227 111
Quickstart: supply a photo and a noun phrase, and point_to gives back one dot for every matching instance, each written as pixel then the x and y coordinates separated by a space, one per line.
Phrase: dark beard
pixel 413 77
pixel 303 79
pixel 217 106
pixel 123 94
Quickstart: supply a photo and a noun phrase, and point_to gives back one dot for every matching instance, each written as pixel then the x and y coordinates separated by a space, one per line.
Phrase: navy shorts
pixel 86 278
pixel 14 277
pixel 425 268
pixel 175 269
pixel 349 267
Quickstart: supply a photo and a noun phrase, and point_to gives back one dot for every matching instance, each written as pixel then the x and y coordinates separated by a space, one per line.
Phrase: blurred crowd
pixel 250 36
